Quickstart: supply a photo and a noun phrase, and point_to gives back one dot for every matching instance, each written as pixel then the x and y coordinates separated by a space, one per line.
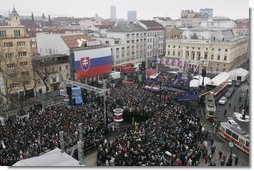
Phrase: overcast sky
pixel 146 9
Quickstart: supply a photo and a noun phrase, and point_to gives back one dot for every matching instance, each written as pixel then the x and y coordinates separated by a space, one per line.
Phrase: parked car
pixel 223 100
pixel 230 92
pixel 231 121
pixel 229 82
pixel 238 83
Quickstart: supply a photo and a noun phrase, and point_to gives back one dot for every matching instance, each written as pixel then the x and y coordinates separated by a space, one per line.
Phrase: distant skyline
pixel 146 9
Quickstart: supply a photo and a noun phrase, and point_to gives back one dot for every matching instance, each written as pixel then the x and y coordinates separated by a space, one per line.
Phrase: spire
pixel 32 16
pixel 49 19
pixel 43 16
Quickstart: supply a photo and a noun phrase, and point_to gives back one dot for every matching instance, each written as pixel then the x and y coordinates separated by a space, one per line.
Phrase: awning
pixel 151 72
pixel 128 70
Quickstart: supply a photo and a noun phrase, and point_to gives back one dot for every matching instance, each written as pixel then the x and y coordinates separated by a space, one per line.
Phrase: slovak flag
pixel 92 62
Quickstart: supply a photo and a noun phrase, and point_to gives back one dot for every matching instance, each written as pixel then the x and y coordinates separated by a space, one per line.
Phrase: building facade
pixel 49 72
pixel 217 50
pixel 128 42
pixel 16 58
pixel 190 18
pixel 112 12
pixel 155 37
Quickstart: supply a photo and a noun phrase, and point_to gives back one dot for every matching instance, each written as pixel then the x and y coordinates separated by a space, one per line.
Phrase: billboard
pixel 92 62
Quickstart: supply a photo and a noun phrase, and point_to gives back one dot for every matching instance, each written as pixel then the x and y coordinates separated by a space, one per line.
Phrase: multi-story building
pixel 217 50
pixel 49 72
pixel 191 19
pixel 242 27
pixel 132 16
pixel 16 59
pixel 128 42
pixel 155 37
pixel 112 12
pixel 206 11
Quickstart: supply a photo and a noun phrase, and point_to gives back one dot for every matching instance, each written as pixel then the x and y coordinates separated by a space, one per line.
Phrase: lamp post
pixel 231 145
pixel 245 104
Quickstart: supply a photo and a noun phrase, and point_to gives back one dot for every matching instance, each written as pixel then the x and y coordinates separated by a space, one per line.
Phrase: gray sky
pixel 146 9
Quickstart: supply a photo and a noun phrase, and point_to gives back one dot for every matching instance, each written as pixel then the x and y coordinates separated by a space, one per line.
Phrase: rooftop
pixel 74 40
pixel 152 24
pixel 126 27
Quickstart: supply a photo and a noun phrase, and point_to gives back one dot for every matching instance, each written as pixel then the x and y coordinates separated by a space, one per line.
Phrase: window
pixel 128 41
pixel 211 57
pixel 247 143
pixel 179 46
pixel 192 47
pixel 168 53
pixel 219 49
pixel 224 69
pixel 21 43
pixel 174 46
pixel 173 53
pixel 218 57
pixel 206 48
pixel 198 48
pixel 8 44
pixel 23 63
pixel 12 65
pixel 225 58
pixel 226 50
pixel 217 69
pixel 187 47
pixel 205 55
pixel 17 33
pixel 60 68
pixel 212 49
pixel 21 54
pixel 168 46
pixel 2 33
pixel 9 55
pixel 66 67
pixel 179 53
pixel 235 136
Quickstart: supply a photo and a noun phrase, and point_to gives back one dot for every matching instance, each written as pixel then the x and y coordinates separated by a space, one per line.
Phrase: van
pixel 238 83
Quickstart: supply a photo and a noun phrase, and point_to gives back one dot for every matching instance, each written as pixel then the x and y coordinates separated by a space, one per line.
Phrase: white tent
pixel 239 74
pixel 220 78
pixel 197 81
pixel 51 158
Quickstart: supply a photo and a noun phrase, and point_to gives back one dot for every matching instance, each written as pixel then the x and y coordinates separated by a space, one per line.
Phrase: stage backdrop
pixel 92 62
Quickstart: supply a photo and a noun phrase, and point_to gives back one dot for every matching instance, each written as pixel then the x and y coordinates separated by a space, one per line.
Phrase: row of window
pixel 219 49
pixel 12 65
pixel 137 34
pixel 19 43
pixel 3 33
pixel 15 85
pixel 198 55
pixel 133 41
pixel 11 55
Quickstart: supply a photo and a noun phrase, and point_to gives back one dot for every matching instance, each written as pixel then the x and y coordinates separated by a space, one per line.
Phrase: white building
pixel 216 49
pixel 155 37
pixel 112 12
pixel 128 42
pixel 132 16
pixel 206 11
pixel 50 44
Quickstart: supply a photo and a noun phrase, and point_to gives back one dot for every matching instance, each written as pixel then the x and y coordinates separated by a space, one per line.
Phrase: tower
pixel 112 12
pixel 14 18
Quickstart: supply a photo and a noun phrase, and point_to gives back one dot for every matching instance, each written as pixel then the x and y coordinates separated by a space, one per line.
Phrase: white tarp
pixel 220 78
pixel 197 81
pixel 51 158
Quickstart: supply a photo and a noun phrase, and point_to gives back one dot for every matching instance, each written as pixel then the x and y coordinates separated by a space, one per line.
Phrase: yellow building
pixel 16 59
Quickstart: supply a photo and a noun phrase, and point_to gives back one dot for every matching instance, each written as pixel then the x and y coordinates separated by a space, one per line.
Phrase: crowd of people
pixel 172 137
pixel 40 132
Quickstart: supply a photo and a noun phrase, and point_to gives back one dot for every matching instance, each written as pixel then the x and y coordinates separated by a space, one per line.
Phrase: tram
pixel 234 134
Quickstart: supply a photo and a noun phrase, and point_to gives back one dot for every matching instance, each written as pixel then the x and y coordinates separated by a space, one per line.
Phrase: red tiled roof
pixel 72 40
pixel 152 24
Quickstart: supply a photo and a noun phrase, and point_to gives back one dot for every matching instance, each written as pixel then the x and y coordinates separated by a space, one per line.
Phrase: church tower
pixel 14 18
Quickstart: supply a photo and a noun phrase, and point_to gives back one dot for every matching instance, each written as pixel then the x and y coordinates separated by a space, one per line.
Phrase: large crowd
pixel 29 138
pixel 164 132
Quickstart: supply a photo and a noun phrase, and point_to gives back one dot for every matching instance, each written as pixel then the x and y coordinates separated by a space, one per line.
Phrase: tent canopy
pixel 220 78
pixel 51 158
pixel 239 71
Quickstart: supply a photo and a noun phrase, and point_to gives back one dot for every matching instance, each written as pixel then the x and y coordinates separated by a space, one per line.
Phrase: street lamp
pixel 245 104
pixel 231 145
